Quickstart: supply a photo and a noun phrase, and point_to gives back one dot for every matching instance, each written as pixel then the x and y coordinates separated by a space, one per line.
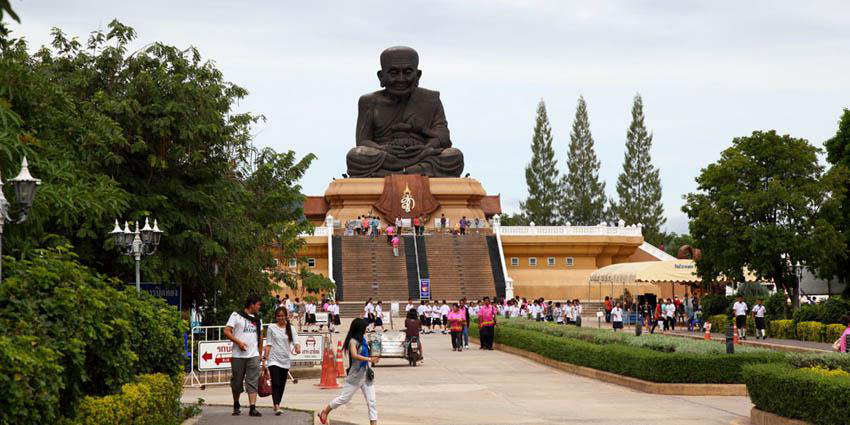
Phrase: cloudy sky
pixel 708 71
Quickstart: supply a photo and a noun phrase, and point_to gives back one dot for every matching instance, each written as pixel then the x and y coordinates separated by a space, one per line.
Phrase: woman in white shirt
pixel 379 316
pixel 280 340
pixel 617 317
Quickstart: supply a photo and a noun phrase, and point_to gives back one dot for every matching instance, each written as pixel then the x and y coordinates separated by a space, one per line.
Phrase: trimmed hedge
pixel 827 360
pixel 784 329
pixel 810 331
pixel 153 400
pixel 833 332
pixel 783 390
pixel 638 362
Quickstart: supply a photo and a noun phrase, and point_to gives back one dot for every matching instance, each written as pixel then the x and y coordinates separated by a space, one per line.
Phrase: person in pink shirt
pixel 395 246
pixel 845 337
pixel 457 320
pixel 487 324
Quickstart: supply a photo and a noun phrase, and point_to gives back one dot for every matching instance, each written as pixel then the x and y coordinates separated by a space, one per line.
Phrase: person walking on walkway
pixel 608 308
pixel 359 375
pixel 740 309
pixel 281 342
pixel 758 314
pixel 845 336
pixel 243 329
pixel 456 320
pixel 617 317
pixel 487 324
pixel 465 309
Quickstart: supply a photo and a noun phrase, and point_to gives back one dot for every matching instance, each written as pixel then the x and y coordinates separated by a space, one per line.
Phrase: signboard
pixel 215 355
pixel 394 309
pixel 406 223
pixel 311 348
pixel 172 294
pixel 322 317
pixel 425 289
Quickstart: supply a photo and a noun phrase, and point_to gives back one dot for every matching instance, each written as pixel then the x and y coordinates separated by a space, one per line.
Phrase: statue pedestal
pixel 456 197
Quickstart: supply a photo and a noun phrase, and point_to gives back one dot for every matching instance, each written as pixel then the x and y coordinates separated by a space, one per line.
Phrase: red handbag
pixel 264 389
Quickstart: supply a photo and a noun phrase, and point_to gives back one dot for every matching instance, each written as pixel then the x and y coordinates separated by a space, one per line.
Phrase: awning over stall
pixel 678 271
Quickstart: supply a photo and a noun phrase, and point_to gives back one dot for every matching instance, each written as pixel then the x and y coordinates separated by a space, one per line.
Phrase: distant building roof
pixel 492 205
pixel 315 207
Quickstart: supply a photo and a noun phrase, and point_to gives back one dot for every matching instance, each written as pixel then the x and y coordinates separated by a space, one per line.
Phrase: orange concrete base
pixel 626 381
pixel 458 197
pixel 760 417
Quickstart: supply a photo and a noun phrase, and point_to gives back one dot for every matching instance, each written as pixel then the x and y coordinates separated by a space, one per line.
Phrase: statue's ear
pixel 381 77
pixel 418 74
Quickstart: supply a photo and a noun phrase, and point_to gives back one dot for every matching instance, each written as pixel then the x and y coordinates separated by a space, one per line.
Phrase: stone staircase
pixel 370 270
pixel 459 267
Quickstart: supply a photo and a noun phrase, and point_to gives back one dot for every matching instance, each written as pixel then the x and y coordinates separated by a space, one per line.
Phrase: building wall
pixel 315 248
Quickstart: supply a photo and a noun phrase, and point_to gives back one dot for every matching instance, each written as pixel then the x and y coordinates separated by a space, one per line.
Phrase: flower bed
pixel 652 358
pixel 810 395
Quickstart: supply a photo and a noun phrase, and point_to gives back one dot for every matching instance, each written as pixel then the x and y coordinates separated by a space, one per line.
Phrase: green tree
pixel 541 175
pixel 673 241
pixel 765 206
pixel 639 185
pixel 838 154
pixel 515 219
pixel 118 134
pixel 583 202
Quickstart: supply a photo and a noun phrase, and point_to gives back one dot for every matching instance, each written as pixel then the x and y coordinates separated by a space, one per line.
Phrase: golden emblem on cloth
pixel 407 202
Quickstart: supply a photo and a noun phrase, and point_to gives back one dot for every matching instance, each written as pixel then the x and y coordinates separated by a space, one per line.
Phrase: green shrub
pixel 635 361
pixel 828 360
pixel 786 391
pixel 829 311
pixel 782 329
pixel 776 306
pixel 832 332
pixel 102 336
pixel 153 400
pixel 718 322
pixel 810 331
pixel 715 304
pixel 30 392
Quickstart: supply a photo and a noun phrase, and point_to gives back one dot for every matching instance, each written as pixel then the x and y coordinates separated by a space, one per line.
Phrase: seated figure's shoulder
pixel 433 95
pixel 369 98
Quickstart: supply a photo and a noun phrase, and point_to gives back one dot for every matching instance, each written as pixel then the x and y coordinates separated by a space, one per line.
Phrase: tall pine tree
pixel 583 200
pixel 541 175
pixel 639 186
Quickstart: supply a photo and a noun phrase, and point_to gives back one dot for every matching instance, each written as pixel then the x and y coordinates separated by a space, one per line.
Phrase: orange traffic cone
pixel 735 334
pixel 707 336
pixel 340 367
pixel 328 380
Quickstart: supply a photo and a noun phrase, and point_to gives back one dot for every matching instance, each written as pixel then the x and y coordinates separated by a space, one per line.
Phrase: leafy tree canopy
pixel 116 133
pixel 765 205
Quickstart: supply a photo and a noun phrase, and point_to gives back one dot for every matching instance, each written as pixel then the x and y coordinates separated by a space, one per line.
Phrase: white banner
pixel 311 348
pixel 322 317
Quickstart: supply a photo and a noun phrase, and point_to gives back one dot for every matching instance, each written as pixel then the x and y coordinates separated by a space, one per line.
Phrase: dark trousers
pixel 487 334
pixel 457 339
pixel 278 375
pixel 607 316
pixel 654 325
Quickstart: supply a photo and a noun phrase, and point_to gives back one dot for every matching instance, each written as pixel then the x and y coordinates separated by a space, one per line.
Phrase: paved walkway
pixel 492 387
pixel 215 415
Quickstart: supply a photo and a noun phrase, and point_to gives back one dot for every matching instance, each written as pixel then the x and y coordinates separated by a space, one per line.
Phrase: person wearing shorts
pixel 740 309
pixel 758 313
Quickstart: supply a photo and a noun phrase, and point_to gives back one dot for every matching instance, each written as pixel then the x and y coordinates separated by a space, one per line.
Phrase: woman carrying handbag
pixel 280 342
pixel 359 375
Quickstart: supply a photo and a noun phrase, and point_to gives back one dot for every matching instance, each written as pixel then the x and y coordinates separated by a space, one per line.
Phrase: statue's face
pixel 400 75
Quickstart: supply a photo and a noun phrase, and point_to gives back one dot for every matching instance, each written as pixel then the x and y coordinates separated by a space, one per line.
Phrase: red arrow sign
pixel 219 360
pixel 206 356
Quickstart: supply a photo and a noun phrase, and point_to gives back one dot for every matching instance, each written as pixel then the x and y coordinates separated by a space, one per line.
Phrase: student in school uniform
pixel 758 314
pixel 436 318
pixel 558 312
pixel 424 311
pixel 617 317
pixel 310 314
pixel 379 318
pixel 369 314
pixel 336 320
pixel 740 309
pixel 409 306
pixel 444 315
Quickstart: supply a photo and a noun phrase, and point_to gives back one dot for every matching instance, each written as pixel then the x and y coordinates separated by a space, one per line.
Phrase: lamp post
pixel 25 185
pixel 136 244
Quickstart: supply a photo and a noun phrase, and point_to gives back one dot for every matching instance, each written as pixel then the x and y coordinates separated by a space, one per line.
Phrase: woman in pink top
pixel 457 320
pixel 845 337
pixel 487 324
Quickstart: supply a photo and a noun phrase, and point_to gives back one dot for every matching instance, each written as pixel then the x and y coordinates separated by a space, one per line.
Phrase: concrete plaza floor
pixel 492 387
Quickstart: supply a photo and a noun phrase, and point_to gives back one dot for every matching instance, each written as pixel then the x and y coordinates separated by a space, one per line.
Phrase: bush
pixel 829 311
pixel 715 304
pixel 718 322
pixel 786 391
pixel 153 400
pixel 827 360
pixel 782 329
pixel 776 306
pixel 833 332
pixel 810 331
pixel 102 337
pixel 629 360
pixel 27 368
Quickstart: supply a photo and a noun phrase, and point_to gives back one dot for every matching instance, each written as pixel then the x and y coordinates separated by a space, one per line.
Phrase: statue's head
pixel 399 72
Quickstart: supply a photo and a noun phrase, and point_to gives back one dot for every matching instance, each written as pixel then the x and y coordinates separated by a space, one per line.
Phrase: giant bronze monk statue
pixel 402 129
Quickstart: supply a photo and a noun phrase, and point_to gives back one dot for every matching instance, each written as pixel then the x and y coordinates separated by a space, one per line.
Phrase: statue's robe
pixel 403 152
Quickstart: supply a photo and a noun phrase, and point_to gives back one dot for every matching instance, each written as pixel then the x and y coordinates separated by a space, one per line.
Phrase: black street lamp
pixel 25 187
pixel 136 244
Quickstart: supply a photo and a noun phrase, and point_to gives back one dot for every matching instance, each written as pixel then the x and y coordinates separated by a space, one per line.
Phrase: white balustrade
pixel 570 230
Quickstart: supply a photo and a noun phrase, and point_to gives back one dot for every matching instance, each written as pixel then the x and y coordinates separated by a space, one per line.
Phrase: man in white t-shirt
pixel 617 317
pixel 243 329
pixel 444 315
pixel 758 313
pixel 436 318
pixel 424 315
pixel 740 309
pixel 409 306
